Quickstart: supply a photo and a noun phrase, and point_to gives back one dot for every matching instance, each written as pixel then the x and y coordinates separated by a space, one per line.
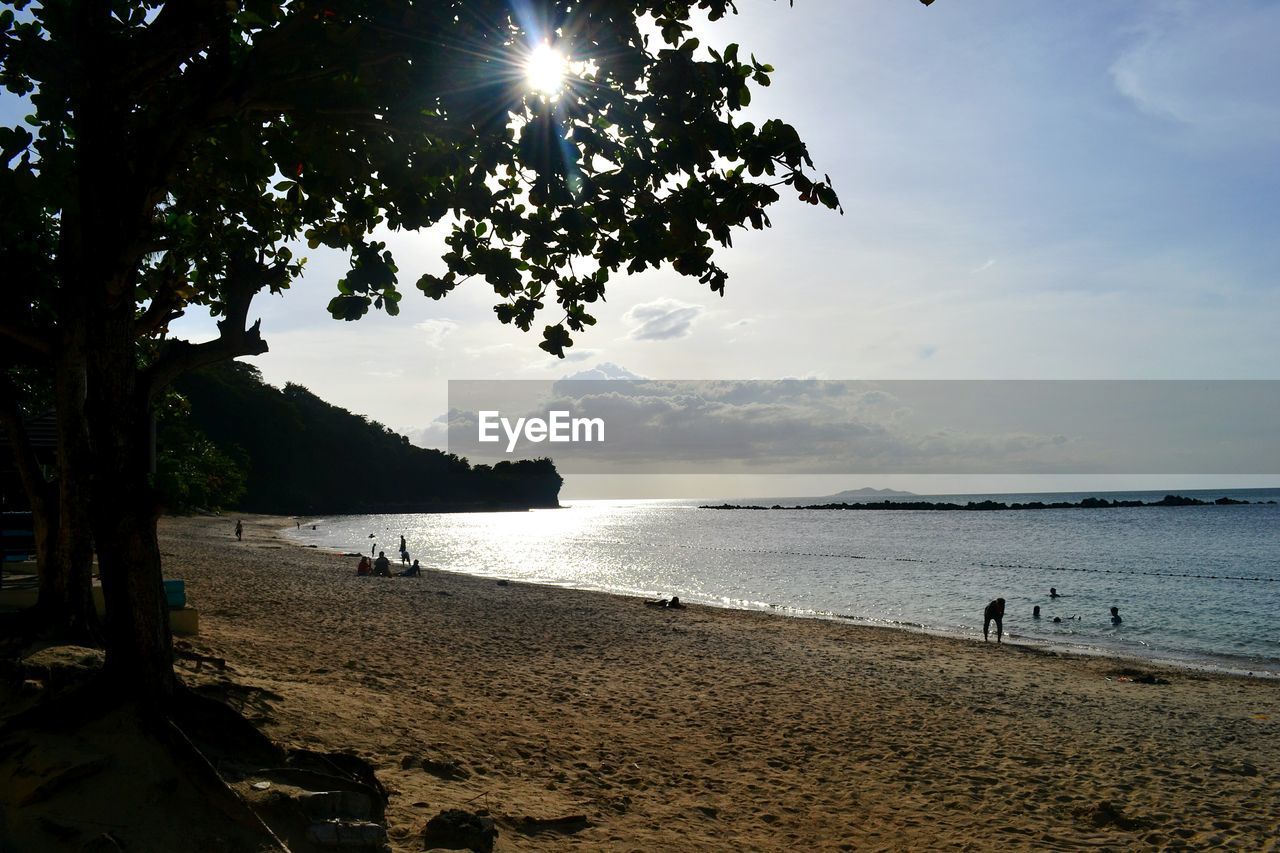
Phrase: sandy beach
pixel 715 729
pixel 707 729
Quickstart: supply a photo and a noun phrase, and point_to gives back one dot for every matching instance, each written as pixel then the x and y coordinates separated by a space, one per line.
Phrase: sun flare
pixel 545 69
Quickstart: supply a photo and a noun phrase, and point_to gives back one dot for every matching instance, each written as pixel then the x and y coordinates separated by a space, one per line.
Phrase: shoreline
pixel 717 729
pixel 1192 661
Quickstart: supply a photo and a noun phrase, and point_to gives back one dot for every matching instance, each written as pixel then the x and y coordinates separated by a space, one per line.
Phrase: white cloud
pixel 605 370
pixel 434 332
pixel 662 320
pixel 1211 67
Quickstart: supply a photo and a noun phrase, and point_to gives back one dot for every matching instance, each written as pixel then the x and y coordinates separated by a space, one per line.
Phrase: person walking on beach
pixel 993 613
pixel 239 531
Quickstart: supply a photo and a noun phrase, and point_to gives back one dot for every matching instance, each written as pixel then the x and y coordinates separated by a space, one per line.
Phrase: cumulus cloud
pixel 604 370
pixel 662 320
pixel 434 435
pixel 922 427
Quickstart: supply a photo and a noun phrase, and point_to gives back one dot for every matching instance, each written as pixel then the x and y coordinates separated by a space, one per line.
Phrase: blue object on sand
pixel 175 594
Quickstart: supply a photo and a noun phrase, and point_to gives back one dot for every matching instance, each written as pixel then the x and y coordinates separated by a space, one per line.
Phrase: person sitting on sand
pixel 673 602
pixel 365 567
pixel 382 566
pixel 1115 616
pixel 413 571
pixel 1035 612
pixel 993 613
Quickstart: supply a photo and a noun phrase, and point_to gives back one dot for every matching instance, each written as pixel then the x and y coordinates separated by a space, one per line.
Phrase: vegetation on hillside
pixel 300 454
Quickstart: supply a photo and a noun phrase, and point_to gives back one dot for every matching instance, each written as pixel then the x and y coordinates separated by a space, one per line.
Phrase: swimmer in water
pixel 1053 592
pixel 1035 612
pixel 1115 616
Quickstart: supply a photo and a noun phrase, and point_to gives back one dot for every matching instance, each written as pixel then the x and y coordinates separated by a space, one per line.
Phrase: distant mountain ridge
pixel 866 492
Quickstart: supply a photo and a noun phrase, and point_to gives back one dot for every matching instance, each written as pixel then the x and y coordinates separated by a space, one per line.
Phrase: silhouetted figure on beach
pixel 412 572
pixel 382 566
pixel 993 613
pixel 364 567
pixel 1053 592
pixel 239 530
pixel 1115 616
pixel 1035 612
pixel 403 546
pixel 672 602
pixel 404 555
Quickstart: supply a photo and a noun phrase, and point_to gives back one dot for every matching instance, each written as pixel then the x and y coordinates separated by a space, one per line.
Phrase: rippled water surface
pixel 1195 584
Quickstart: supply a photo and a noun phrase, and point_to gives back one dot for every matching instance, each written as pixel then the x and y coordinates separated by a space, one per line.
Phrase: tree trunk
pixel 71 582
pixel 138 643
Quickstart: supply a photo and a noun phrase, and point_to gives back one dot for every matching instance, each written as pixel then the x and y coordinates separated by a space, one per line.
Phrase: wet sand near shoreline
pixel 709 729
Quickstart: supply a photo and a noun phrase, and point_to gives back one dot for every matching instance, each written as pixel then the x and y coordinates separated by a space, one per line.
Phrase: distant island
pixel 851 494
pixel 996 506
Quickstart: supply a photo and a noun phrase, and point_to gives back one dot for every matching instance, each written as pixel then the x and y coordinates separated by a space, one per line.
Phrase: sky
pixel 1071 190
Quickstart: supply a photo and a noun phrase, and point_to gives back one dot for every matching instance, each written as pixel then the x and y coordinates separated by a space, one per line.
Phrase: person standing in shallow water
pixel 239 531
pixel 993 613
pixel 1115 616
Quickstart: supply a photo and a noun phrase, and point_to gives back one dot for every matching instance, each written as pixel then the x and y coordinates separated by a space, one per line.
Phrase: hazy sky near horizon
pixel 1031 190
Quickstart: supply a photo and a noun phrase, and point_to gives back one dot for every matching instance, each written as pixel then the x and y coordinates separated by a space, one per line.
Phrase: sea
pixel 1197 586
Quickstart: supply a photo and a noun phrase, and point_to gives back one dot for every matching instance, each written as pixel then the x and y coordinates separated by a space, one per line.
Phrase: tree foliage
pixel 193 473
pixel 246 126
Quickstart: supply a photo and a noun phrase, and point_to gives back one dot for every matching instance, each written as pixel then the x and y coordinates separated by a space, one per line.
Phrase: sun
pixel 545 70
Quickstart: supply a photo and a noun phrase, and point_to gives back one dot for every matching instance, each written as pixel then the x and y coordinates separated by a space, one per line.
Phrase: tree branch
pixel 235 338
pixel 165 307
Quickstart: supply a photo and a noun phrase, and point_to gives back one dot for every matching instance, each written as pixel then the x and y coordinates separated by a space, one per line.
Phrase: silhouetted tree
pixel 177 149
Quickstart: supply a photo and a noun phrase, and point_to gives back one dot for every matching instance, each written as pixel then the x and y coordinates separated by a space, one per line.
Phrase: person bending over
pixel 993 613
